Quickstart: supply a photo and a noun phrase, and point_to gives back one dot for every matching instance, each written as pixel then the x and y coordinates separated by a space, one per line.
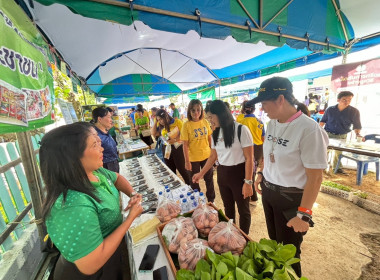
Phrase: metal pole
pixel 34 182
pixel 208 20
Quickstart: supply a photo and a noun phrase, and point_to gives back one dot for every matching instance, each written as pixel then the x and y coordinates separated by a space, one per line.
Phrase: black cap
pixel 272 88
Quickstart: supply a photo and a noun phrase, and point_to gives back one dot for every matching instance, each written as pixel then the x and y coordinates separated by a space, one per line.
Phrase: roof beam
pixel 208 20
pixel 337 10
pixel 276 15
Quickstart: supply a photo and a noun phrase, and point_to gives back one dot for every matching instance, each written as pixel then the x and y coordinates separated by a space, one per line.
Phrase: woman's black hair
pixel 226 122
pixel 99 112
pixel 165 117
pixel 192 103
pixel 247 109
pixel 60 160
pixel 207 107
pixel 293 101
pixel 141 110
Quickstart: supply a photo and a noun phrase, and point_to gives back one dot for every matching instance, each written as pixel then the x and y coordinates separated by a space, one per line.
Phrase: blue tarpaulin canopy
pixel 169 47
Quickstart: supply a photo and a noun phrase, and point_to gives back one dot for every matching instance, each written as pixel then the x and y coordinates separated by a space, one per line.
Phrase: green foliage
pixel 262 260
pixel 363 195
pixel 336 186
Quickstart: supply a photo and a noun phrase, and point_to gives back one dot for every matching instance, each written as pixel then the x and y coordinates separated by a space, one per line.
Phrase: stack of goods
pixel 178 232
pixel 205 218
pixel 136 177
pixel 167 210
pixel 225 237
pixel 191 252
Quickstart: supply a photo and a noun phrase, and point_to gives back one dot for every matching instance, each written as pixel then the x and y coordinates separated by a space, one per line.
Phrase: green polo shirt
pixel 79 225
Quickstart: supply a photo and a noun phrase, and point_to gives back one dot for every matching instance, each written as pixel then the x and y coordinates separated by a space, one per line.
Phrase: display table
pixel 130 146
pixel 136 250
pixel 362 148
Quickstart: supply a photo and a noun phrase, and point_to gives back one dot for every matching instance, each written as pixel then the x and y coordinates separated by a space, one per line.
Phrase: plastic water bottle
pixel 194 203
pixel 188 196
pixel 168 194
pixel 160 197
pixel 202 199
pixel 196 194
pixel 184 206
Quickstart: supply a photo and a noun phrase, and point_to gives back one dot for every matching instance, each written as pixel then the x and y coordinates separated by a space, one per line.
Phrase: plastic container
pixel 160 197
pixel 196 194
pixel 201 199
pixel 168 194
pixel 194 203
pixel 184 206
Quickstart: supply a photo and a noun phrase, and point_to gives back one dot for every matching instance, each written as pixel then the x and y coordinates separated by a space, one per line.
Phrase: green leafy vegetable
pixel 202 266
pixel 184 274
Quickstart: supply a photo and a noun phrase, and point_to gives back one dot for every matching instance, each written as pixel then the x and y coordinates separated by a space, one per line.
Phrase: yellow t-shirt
pixel 239 118
pixel 256 127
pixel 197 134
pixel 176 123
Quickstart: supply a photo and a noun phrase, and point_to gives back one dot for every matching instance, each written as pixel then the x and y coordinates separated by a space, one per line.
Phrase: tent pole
pixel 219 87
pixel 340 19
pixel 208 20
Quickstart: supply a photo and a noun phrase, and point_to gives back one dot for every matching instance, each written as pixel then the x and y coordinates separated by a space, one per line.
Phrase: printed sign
pixel 26 81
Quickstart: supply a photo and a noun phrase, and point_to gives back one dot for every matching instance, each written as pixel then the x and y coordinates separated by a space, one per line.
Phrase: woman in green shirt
pixel 82 208
pixel 142 124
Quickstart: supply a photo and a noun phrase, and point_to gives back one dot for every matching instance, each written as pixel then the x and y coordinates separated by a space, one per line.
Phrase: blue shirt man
pixel 337 121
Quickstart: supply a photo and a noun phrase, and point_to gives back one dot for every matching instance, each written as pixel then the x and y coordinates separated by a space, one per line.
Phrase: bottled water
pixel 160 197
pixel 168 194
pixel 196 194
pixel 202 199
pixel 193 202
pixel 184 206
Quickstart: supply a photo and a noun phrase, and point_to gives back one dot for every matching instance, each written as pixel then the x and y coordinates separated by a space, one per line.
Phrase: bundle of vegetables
pixel 265 260
pixel 191 252
pixel 225 237
pixel 167 210
pixel 179 231
pixel 205 218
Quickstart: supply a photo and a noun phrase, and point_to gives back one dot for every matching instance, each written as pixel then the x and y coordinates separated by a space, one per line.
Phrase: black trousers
pixel 113 166
pixel 176 161
pixel 112 269
pixel 275 204
pixel 210 190
pixel 230 181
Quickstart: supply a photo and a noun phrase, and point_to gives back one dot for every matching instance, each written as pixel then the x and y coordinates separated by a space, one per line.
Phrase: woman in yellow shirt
pixel 176 161
pixel 196 137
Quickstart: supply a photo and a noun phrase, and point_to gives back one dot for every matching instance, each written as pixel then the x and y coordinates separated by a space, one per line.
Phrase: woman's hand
pixel 247 190
pixel 298 225
pixel 257 182
pixel 136 208
pixel 134 199
pixel 188 165
pixel 197 177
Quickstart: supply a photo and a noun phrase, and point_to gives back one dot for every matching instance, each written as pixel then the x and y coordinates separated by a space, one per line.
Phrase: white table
pixel 136 251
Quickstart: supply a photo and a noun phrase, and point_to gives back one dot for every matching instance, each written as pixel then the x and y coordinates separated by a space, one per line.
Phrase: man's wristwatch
pixel 304 217
pixel 249 182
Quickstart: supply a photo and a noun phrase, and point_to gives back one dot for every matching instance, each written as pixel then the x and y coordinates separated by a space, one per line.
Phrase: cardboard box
pixel 170 256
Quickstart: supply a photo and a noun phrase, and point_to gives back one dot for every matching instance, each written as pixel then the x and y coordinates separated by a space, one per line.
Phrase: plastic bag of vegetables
pixel 179 231
pixel 205 218
pixel 191 252
pixel 226 237
pixel 167 210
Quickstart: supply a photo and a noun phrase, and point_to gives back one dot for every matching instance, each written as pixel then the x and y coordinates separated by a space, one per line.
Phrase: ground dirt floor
pixel 345 242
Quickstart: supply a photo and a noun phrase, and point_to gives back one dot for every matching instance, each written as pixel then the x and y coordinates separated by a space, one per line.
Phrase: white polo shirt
pixel 233 155
pixel 297 145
